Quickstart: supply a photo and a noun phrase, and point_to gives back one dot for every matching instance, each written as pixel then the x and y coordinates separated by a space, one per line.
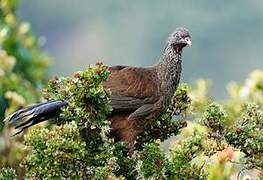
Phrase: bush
pixel 205 148
pixel 56 153
pixel 22 64
pixel 247 135
pixel 22 72
pixel 88 107
pixel 7 174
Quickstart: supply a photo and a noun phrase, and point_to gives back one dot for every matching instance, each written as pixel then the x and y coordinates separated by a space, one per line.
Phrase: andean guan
pixel 138 95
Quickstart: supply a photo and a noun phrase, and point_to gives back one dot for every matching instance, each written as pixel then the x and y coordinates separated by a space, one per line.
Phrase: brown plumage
pixel 139 95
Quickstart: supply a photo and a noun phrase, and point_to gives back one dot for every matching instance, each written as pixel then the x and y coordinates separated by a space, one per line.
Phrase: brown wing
pixel 133 89
pixel 117 68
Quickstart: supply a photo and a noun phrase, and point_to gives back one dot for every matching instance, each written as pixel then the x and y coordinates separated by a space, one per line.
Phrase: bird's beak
pixel 188 41
pixel 185 41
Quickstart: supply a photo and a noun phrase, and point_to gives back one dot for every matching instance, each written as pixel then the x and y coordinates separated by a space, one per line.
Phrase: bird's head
pixel 179 39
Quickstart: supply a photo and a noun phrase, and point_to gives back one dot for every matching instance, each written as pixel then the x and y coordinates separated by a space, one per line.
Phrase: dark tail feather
pixel 34 114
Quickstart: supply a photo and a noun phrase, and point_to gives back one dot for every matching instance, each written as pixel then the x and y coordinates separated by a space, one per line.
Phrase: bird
pixel 138 94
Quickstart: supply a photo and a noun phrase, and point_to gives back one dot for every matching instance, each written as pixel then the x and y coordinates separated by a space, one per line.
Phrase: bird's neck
pixel 169 71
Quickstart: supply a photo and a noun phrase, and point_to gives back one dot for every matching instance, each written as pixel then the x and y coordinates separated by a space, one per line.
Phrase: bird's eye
pixel 176 35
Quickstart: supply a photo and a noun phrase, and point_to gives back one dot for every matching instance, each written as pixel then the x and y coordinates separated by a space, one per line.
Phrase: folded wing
pixel 133 89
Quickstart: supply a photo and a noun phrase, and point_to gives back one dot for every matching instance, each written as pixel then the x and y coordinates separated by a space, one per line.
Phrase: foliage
pixel 228 141
pixel 199 97
pixel 214 118
pixel 55 153
pixel 17 40
pixel 7 174
pixel 167 126
pixel 22 72
pixel 246 131
pixel 88 107
pixel 182 154
pixel 153 161
pixel 213 145
pixel 247 135
pixel 23 65
pixel 203 149
pixel 88 102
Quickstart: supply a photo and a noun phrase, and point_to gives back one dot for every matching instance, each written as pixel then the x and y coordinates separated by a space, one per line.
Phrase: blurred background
pixel 227 36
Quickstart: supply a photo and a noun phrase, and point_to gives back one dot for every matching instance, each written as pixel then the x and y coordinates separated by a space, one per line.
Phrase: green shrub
pixel 202 150
pixel 23 69
pixel 22 63
pixel 153 161
pixel 247 135
pixel 7 174
pixel 88 107
pixel 56 153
